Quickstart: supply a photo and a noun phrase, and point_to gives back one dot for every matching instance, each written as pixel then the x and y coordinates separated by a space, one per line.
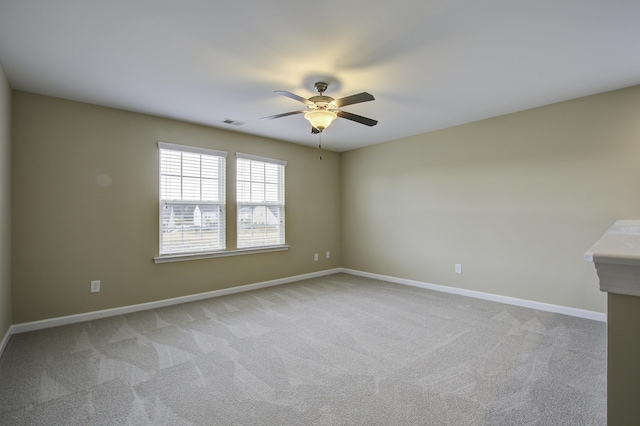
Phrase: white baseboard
pixel 5 339
pixel 88 316
pixel 565 310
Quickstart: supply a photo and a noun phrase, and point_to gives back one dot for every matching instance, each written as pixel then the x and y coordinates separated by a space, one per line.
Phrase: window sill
pixel 226 253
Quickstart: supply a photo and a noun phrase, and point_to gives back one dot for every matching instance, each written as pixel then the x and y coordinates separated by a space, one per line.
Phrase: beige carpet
pixel 337 350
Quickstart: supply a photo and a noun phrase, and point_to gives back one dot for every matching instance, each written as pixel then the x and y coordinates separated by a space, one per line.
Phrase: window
pixel 260 197
pixel 192 199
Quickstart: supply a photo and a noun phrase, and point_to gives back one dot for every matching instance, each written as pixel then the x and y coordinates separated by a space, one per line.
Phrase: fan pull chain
pixel 320 144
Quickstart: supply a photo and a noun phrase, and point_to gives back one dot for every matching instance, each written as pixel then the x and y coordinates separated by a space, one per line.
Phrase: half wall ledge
pixel 616 256
pixel 617 259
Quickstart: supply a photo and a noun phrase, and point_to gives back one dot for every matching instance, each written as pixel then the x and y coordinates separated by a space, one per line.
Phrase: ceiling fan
pixel 322 110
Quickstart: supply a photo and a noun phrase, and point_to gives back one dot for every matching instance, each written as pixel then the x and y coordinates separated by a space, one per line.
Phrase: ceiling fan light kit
pixel 322 110
pixel 320 118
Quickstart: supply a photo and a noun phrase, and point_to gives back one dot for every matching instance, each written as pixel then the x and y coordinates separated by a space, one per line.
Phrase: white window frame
pixel 193 250
pixel 272 209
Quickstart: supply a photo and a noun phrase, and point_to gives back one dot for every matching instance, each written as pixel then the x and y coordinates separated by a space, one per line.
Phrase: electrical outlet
pixel 315 257
pixel 95 286
pixel 458 268
pixel 328 255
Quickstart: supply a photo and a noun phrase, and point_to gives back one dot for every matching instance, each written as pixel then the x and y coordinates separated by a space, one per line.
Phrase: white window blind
pixel 192 199
pixel 260 198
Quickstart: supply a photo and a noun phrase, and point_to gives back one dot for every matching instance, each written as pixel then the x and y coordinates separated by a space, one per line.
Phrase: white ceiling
pixel 430 63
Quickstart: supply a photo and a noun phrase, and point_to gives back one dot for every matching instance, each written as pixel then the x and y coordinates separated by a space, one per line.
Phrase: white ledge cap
pixel 617 258
pixel 620 244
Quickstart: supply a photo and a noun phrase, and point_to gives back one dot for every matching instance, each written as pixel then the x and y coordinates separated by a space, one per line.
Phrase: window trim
pixel 181 257
pixel 221 253
pixel 192 149
pixel 222 201
pixel 281 163
pixel 262 159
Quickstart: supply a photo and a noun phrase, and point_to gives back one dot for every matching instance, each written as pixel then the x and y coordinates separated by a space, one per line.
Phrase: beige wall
pixel 5 204
pixel 515 199
pixel 68 230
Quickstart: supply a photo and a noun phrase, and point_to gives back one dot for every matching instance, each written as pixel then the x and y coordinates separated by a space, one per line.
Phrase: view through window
pixel 260 198
pixel 192 199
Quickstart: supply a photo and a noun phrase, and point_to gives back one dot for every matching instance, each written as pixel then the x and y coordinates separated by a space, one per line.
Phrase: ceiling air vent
pixel 233 122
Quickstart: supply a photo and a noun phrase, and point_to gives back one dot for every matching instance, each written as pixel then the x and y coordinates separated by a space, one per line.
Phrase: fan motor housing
pixel 321 101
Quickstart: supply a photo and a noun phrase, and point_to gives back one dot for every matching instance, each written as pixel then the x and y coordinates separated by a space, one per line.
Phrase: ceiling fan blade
pixel 353 99
pixel 271 117
pixel 357 118
pixel 295 97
